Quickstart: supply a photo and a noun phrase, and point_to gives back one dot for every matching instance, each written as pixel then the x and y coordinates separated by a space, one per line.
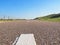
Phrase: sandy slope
pixel 46 33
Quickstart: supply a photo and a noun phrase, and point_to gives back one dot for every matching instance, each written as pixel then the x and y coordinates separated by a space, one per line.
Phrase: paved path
pixel 25 39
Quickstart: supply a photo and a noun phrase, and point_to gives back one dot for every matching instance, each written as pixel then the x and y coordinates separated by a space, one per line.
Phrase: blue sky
pixel 28 9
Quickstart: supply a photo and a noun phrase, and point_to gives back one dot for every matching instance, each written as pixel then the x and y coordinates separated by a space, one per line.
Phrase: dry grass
pixel 46 33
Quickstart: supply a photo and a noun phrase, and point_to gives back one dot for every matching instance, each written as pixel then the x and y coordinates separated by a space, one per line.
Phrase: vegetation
pixel 9 20
pixel 6 19
pixel 51 17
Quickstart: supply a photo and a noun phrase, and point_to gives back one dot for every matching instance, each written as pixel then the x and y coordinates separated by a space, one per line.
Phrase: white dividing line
pixel 26 39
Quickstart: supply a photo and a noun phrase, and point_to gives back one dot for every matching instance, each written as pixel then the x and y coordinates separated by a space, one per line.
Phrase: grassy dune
pixel 53 20
pixel 52 17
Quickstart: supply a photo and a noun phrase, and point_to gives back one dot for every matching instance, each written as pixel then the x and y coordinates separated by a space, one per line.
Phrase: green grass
pixel 9 20
pixel 52 17
pixel 6 20
pixel 48 19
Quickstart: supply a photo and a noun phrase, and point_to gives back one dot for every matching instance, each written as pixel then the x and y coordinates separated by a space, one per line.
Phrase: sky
pixel 28 9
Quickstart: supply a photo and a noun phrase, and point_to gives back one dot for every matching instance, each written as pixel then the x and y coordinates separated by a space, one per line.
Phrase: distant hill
pixel 51 17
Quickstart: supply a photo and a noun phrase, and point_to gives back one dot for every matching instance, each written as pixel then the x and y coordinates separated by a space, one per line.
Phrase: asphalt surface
pixel 45 33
